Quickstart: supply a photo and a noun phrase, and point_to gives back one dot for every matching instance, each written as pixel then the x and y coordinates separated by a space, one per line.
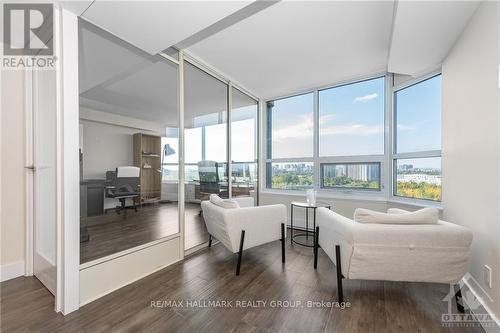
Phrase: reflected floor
pixel 113 233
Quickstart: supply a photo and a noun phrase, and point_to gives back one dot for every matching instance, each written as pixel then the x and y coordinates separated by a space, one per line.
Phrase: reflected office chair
pixel 126 185
pixel 208 172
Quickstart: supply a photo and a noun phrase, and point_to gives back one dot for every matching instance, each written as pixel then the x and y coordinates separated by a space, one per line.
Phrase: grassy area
pixel 350 183
pixel 419 190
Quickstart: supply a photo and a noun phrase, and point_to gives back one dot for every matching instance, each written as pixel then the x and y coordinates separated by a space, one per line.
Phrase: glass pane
pixel 290 176
pixel 205 128
pixel 351 175
pixel 45 160
pixel 192 139
pixel 419 178
pixel 128 122
pixel 244 116
pixel 418 116
pixel 290 127
pixel 351 119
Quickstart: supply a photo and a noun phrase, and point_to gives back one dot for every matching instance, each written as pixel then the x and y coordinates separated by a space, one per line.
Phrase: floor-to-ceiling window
pixel 348 138
pixel 330 139
pixel 290 143
pixel 244 145
pixel 417 140
pixel 205 135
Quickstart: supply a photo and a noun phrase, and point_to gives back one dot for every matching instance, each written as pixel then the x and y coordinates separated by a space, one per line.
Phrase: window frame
pixel 316 159
pixel 395 156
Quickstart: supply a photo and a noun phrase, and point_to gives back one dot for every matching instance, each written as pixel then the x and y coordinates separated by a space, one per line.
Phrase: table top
pixel 307 205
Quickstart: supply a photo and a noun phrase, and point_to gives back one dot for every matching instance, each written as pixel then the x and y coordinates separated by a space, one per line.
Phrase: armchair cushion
pixel 427 215
pixel 224 203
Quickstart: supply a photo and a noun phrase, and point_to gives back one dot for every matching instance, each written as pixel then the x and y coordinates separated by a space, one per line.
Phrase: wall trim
pixel 11 270
pixel 485 325
pixel 106 277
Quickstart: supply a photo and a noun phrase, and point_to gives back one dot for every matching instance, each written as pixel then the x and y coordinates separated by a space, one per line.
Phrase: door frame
pixel 66 297
pixel 29 176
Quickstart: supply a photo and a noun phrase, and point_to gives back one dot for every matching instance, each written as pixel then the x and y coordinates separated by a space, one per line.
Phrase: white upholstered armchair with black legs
pixel 393 246
pixel 238 225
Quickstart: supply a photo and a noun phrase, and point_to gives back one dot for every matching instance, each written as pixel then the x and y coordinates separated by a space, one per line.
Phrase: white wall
pixel 471 147
pixel 108 141
pixel 105 147
pixel 12 224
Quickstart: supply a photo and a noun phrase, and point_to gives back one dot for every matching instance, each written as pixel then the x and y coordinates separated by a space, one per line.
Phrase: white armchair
pixel 393 252
pixel 245 227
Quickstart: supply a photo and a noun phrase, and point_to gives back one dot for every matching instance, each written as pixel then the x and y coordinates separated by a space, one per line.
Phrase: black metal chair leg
pixel 240 253
pixel 209 240
pixel 316 240
pixel 283 242
pixel 340 292
pixel 459 299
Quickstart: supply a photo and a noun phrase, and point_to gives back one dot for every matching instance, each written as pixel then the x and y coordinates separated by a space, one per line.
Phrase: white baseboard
pixel 485 325
pixel 12 270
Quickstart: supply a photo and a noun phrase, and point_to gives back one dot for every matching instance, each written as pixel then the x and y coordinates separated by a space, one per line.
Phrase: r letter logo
pixel 28 29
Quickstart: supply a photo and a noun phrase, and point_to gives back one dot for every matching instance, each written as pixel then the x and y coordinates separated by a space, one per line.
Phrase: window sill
pixel 420 203
pixel 366 196
pixel 339 195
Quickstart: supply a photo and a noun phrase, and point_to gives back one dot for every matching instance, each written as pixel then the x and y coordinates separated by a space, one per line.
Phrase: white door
pixel 44 177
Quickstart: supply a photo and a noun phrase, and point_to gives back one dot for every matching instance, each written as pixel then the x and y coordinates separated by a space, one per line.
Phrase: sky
pixel 418 116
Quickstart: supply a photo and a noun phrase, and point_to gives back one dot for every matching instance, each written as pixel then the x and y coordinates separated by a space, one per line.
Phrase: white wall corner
pixel 12 270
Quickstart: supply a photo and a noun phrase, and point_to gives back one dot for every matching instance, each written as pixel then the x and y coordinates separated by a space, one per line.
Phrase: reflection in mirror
pixel 205 132
pixel 128 145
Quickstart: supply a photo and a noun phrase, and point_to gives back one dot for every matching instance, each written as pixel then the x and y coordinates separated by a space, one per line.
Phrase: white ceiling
pixel 271 50
pixel 296 45
pixel 424 33
pixel 156 25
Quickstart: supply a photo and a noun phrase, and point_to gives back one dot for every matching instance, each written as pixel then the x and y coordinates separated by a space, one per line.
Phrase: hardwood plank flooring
pixel 208 275
pixel 111 233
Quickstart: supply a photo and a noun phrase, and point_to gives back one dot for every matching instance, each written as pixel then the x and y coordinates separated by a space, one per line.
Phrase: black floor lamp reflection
pixel 167 151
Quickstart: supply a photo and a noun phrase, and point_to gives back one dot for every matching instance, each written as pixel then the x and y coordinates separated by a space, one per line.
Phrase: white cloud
pixel 406 128
pixel 303 128
pixel 366 98
pixel 353 129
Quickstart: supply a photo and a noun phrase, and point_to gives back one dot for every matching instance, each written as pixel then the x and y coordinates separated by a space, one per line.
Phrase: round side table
pixel 305 238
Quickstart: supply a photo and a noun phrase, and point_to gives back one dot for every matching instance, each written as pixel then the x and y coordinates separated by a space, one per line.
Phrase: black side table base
pixel 305 232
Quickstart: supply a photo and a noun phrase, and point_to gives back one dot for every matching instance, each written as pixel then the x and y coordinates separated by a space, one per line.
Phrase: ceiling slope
pixel 292 46
pixel 424 32
pixel 156 25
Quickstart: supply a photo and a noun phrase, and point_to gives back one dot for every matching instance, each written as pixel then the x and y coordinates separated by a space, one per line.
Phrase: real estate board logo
pixel 467 300
pixel 28 29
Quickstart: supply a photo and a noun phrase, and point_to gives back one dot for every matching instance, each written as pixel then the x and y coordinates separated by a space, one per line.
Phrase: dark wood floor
pixel 113 233
pixel 209 275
